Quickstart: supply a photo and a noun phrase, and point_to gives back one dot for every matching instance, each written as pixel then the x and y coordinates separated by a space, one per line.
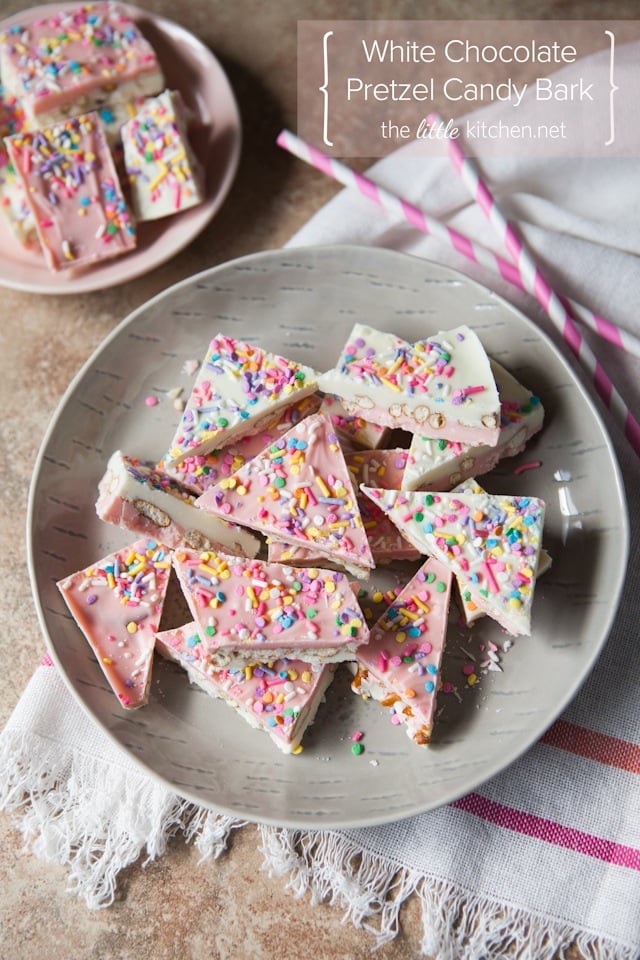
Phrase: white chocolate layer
pixel 238 390
pixel 469 609
pixel 491 543
pixel 137 496
pixel 443 384
pixel 439 464
pixel 164 175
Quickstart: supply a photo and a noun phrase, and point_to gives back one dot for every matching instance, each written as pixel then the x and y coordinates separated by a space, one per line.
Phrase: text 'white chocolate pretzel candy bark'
pixel 239 388
pixel 299 491
pixel 75 60
pixel 443 384
pixel 72 189
pixel 491 543
pixel 117 603
pixel 249 610
pixel 139 497
pixel 439 464
pixel 280 697
pixel 400 666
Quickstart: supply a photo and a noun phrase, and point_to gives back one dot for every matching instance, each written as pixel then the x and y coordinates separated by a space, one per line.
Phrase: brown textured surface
pixel 228 908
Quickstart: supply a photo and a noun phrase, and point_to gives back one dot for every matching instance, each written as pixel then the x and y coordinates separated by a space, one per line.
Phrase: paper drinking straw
pixel 537 285
pixel 421 221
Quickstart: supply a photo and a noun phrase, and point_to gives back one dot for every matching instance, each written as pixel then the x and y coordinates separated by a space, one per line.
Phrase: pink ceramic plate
pixel 215 134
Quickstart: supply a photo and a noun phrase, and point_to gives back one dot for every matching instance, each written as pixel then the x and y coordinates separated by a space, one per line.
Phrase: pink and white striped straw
pixel 472 250
pixel 536 284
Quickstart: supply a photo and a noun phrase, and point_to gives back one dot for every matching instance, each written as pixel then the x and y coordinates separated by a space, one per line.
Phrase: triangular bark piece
pixel 239 388
pixel 490 542
pixel 299 491
pixel 280 697
pixel 117 603
pixel 400 666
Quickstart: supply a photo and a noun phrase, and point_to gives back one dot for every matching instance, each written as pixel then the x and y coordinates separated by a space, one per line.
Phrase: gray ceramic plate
pixel 303 303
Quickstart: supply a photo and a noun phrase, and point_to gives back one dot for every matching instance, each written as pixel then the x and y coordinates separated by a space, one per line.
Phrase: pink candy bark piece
pixel 400 666
pixel 72 189
pixel 117 603
pixel 299 491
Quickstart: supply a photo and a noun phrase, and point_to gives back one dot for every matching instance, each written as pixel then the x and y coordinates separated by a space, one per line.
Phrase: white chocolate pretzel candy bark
pixel 491 543
pixel 280 697
pixel 439 464
pixel 443 384
pixel 469 609
pixel 250 610
pixel 137 496
pixel 75 60
pixel 299 491
pixel 239 388
pixel 117 602
pixel 72 188
pixel 400 666
pixel 164 175
pixel 199 472
pixel 383 468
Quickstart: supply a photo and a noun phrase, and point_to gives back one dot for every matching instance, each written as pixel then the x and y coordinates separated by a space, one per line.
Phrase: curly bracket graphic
pixel 612 88
pixel 324 89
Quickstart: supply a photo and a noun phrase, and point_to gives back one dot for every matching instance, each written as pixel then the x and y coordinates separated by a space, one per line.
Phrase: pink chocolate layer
pixel 75 55
pixel 117 603
pixel 248 608
pixel 73 191
pixel 400 666
pixel 299 491
pixel 280 697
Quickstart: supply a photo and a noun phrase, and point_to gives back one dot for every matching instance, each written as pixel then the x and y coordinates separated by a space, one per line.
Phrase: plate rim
pixel 88 281
pixel 578 678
